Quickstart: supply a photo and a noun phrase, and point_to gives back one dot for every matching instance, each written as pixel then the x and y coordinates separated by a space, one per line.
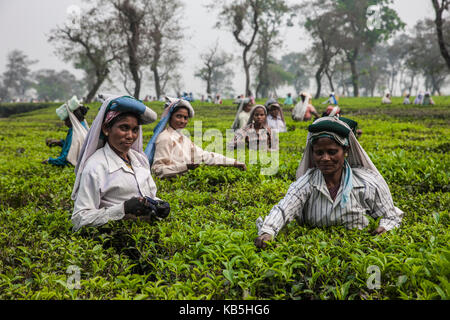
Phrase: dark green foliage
pixel 204 249
pixel 8 109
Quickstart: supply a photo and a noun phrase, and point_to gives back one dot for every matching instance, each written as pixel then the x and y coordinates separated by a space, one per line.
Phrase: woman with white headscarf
pixel 113 178
pixel 304 109
pixel 72 113
pixel 171 153
pixel 419 98
pixel 337 184
pixel 386 99
pixel 242 114
pixel 257 134
pixel 275 116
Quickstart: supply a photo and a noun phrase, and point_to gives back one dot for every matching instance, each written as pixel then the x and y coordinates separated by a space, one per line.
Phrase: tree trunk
pixel 319 83
pixel 355 78
pixel 157 84
pixel 330 80
pixel 100 78
pixel 248 92
pixel 440 36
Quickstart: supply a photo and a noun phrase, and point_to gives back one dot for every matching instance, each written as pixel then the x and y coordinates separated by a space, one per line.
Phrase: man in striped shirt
pixel 337 185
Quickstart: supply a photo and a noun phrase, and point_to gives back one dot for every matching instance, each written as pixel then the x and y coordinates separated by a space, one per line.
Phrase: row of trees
pixel 48 84
pixel 355 47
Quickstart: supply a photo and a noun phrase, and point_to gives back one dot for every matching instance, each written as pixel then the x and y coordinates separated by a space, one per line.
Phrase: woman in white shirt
pixel 171 153
pixel 113 178
pixel 386 99
pixel 242 114
pixel 275 116
pixel 337 184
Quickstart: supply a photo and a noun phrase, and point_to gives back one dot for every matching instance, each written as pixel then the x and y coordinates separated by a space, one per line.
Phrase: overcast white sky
pixel 25 25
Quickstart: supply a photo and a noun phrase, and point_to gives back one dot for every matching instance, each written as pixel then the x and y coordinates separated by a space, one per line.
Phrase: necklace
pixel 127 162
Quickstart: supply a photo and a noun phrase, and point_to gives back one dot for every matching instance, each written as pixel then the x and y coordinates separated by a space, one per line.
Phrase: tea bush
pixel 204 249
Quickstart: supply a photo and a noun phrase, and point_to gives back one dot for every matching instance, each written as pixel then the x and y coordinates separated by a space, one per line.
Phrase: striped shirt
pixel 309 202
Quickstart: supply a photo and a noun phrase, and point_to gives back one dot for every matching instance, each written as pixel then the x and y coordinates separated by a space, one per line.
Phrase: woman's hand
pixel 192 166
pixel 260 242
pixel 136 206
pixel 52 142
pixel 378 231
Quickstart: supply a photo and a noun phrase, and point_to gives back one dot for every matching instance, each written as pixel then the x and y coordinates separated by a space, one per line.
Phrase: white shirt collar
pixel 115 162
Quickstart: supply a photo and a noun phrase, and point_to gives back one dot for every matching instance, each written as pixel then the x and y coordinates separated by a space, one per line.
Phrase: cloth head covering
pixel 95 140
pixel 274 103
pixel 242 102
pixel 252 112
pixel 298 113
pixel 63 111
pixel 169 107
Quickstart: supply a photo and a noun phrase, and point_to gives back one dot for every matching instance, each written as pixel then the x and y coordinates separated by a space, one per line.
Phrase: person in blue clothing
pixel 65 158
pixel 288 101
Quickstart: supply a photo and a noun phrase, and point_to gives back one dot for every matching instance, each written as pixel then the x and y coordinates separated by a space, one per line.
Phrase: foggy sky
pixel 25 25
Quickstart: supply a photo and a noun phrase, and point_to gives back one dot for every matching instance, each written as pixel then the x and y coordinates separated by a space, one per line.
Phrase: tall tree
pixel 242 18
pixel 439 7
pixel 165 33
pixel 297 64
pixel 373 69
pixel 16 78
pixel 320 23
pixel 213 62
pixel 273 17
pixel 56 85
pixel 131 17
pixel 357 31
pixel 89 45
pixel 424 55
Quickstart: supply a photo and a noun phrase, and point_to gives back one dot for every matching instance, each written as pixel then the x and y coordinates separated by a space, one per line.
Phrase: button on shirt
pixel 106 183
pixel 309 202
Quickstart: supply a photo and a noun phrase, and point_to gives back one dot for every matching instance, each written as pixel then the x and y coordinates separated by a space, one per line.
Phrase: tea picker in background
pixel 72 113
pixel 113 179
pixel 419 98
pixel 288 101
pixel 217 100
pixel 332 100
pixel 171 153
pixel 275 116
pixel 332 111
pixel 406 99
pixel 427 100
pixel 256 135
pixel 304 109
pixel 242 114
pixel 386 99
pixel 337 184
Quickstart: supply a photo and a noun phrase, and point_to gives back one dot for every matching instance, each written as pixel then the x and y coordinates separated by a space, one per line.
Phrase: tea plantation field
pixel 204 249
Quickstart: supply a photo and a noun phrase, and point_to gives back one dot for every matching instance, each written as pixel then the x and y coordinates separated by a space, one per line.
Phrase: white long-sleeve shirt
pixel 309 202
pixel 173 151
pixel 276 124
pixel 106 183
